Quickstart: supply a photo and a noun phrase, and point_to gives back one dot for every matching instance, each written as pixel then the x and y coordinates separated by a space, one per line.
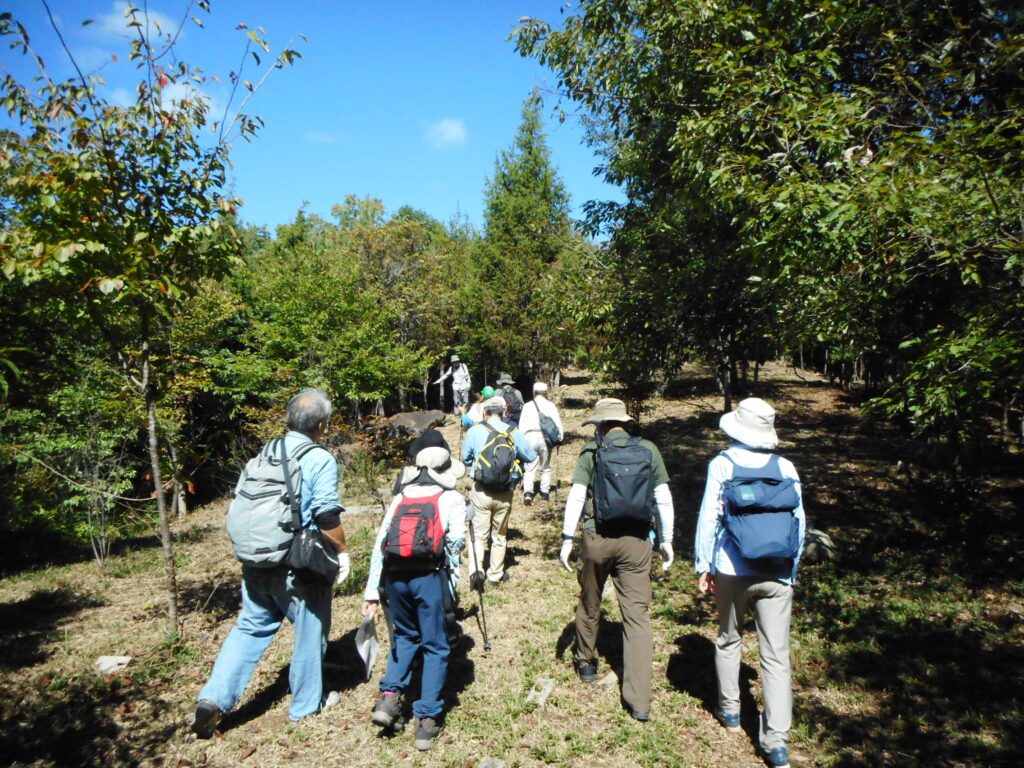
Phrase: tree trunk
pixel 426 384
pixel 170 575
pixel 179 504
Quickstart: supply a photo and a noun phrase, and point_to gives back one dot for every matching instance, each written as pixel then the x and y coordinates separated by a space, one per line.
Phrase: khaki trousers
pixel 627 559
pixel 772 604
pixel 490 524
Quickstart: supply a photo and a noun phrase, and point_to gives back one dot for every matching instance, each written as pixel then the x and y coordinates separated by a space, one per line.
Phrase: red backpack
pixel 415 539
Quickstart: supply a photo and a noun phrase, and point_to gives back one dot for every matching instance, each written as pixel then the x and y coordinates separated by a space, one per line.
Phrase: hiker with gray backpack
pixel 542 426
pixel 413 566
pixel 285 528
pixel 750 531
pixel 496 452
pixel 625 478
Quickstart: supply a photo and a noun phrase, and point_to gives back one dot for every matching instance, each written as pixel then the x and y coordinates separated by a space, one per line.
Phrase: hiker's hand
pixel 344 567
pixel 706 583
pixel 564 554
pixel 369 608
pixel 667 555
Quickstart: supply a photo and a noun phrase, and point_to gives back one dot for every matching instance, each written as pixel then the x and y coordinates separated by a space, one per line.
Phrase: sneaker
pixel 587 670
pixel 544 496
pixel 505 579
pixel 636 714
pixel 731 722
pixel 777 758
pixel 388 709
pixel 527 499
pixel 206 719
pixel 427 730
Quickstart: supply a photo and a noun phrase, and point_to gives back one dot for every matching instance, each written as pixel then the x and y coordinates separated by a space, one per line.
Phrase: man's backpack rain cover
pixel 260 522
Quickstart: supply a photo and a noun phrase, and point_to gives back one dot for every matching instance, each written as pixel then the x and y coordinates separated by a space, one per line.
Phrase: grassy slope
pixel 909 649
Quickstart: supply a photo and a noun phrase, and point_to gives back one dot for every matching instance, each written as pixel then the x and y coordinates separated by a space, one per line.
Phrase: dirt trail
pixel 529 621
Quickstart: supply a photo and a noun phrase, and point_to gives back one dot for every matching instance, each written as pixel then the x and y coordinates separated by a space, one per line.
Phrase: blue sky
pixel 408 101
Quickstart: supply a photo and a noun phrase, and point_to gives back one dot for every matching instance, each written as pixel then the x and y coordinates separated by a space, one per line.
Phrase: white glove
pixel 344 567
pixel 564 554
pixel 667 555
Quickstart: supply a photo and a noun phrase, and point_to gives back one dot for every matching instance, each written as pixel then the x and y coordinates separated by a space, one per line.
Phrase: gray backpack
pixel 262 518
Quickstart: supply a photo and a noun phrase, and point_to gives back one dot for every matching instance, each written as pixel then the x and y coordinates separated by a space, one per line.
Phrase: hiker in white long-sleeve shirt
pixel 530 426
pixel 461 382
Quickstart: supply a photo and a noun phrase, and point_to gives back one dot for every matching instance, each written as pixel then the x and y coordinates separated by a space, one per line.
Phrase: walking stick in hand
pixel 479 586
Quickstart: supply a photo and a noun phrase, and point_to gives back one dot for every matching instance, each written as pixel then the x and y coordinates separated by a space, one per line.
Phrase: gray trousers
pixel 772 603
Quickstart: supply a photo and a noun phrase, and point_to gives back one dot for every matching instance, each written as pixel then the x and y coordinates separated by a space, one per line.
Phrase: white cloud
pixel 446 133
pixel 320 137
pixel 116 23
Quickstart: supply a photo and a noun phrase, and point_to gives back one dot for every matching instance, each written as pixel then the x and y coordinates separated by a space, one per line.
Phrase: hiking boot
pixel 777 758
pixel 587 670
pixel 476 581
pixel 206 719
pixel 544 496
pixel 731 722
pixel 388 709
pixel 427 730
pixel 527 499
pixel 505 579
pixel 642 717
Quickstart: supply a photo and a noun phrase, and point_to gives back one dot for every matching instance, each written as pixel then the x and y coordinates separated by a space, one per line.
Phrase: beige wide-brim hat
pixel 752 423
pixel 609 409
pixel 495 402
pixel 505 379
pixel 440 467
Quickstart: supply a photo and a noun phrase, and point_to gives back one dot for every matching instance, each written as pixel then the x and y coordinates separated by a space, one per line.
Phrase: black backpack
pixel 623 484
pixel 513 402
pixel 496 462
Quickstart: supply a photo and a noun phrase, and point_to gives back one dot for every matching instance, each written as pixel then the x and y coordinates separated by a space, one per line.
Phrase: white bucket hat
pixel 540 386
pixel 439 465
pixel 495 402
pixel 752 423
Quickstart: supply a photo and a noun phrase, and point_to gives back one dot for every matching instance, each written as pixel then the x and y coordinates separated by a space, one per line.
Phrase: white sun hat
pixel 752 423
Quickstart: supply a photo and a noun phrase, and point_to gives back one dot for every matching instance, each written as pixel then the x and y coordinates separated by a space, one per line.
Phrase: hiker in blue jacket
pixel 269 595
pixel 740 584
pixel 493 505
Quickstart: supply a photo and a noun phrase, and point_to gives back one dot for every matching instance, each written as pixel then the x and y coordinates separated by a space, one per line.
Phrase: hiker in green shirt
pixel 616 543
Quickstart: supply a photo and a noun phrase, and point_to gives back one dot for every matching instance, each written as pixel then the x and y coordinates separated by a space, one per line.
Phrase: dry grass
pixel 59 712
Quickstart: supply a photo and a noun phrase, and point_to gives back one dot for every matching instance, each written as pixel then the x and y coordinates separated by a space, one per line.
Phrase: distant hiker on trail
pixel 414 556
pixel 749 562
pixel 538 414
pixel 513 399
pixel 272 591
pixel 496 452
pixel 461 382
pixel 627 479
pixel 475 413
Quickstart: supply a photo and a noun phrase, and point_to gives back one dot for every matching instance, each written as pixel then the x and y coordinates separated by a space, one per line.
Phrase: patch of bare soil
pixel 59 712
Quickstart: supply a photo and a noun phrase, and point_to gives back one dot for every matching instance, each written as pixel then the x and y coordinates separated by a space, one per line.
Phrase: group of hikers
pixel 748 542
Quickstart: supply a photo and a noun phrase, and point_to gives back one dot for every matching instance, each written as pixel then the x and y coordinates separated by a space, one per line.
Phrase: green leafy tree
pixel 115 207
pixel 844 178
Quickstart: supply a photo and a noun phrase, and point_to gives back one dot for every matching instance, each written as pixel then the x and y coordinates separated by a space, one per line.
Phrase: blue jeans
pixel 269 595
pixel 416 603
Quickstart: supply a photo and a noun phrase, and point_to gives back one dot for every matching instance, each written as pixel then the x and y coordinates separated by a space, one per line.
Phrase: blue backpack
pixel 759 506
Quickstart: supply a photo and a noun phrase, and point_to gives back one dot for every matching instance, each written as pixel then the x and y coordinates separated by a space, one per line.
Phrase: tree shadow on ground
pixel 217 597
pixel 691 670
pixel 27 625
pixel 74 725
pixel 948 694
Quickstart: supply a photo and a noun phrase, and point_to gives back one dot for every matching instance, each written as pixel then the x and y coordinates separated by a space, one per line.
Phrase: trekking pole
pixel 470 514
pixel 558 481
